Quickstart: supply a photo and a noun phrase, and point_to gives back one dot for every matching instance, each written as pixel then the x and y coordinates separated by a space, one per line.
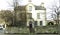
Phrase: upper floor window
pixel 30 8
pixel 38 15
pixel 29 15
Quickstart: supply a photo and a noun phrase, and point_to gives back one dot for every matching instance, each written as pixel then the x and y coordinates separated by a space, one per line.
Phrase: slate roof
pixel 22 8
pixel 39 8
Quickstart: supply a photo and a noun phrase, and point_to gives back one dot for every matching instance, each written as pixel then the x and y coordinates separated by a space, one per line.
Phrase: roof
pixel 39 8
pixel 21 8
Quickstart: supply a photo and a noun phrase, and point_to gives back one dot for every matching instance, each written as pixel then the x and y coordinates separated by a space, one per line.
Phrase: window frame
pixel 30 8
pixel 35 23
pixel 38 15
pixel 29 15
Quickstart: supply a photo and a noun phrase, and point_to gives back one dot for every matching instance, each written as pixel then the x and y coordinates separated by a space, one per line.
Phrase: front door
pixel 30 24
pixel 31 27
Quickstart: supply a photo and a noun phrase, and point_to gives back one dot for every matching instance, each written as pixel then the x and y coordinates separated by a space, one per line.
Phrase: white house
pixel 37 14
pixel 31 13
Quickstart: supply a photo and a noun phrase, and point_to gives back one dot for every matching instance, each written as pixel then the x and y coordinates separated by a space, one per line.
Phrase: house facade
pixel 31 14
pixel 37 14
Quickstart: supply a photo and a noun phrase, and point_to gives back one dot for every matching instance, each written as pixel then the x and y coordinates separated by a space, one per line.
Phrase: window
pixel 21 17
pixel 35 23
pixel 40 22
pixel 38 15
pixel 29 15
pixel 30 8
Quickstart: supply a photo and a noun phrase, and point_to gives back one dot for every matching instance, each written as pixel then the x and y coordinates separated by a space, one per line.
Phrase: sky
pixel 6 4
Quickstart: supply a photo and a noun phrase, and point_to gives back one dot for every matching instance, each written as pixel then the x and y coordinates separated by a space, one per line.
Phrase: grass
pixel 46 29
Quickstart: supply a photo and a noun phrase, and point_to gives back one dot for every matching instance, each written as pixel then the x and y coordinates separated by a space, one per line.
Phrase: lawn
pixel 41 29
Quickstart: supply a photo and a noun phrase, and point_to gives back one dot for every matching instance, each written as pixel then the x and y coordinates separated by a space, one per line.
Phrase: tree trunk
pixel 57 18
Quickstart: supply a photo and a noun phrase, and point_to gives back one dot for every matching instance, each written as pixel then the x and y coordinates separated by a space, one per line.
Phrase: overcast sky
pixel 5 4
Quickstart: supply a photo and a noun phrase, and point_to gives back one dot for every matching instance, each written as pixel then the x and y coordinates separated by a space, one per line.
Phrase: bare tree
pixel 55 12
pixel 19 13
pixel 14 5
pixel 56 15
pixel 6 15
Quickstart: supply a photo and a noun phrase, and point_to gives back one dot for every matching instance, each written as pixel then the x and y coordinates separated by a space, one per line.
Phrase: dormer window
pixel 30 8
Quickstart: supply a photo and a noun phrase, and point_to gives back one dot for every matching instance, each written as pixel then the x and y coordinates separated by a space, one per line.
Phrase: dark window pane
pixel 35 23
pixel 40 22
